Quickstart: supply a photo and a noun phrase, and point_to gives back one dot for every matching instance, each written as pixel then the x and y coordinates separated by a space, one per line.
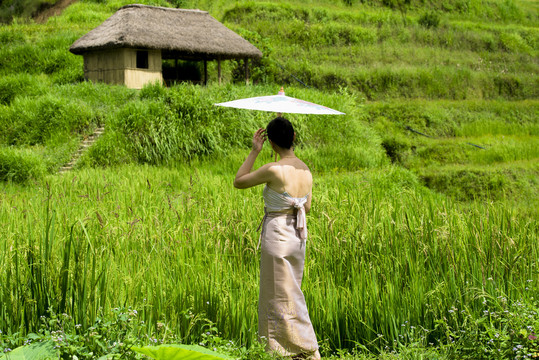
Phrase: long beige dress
pixel 283 319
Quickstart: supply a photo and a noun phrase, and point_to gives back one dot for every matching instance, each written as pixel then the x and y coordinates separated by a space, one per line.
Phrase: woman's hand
pixel 244 177
pixel 258 139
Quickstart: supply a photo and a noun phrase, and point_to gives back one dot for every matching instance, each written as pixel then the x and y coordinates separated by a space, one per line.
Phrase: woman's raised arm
pixel 244 177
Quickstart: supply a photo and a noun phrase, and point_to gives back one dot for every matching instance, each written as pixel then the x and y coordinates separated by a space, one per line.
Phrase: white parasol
pixel 280 103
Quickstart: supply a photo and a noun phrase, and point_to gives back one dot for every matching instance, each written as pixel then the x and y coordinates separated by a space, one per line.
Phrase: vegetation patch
pixel 476 183
pixel 423 230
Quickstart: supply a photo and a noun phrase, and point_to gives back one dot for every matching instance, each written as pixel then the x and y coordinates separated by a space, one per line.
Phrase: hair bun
pixel 281 132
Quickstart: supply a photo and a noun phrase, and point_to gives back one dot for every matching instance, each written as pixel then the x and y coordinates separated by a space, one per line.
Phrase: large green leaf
pixel 179 352
pixel 109 357
pixel 36 351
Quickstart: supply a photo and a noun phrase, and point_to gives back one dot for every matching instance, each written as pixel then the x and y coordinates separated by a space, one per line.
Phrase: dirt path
pixel 54 10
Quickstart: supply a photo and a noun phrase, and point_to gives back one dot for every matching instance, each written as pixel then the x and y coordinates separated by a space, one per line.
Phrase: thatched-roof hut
pixel 128 48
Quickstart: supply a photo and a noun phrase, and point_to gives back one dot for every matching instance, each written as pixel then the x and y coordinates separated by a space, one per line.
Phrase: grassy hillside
pixel 460 72
pixel 427 189
pixel 385 54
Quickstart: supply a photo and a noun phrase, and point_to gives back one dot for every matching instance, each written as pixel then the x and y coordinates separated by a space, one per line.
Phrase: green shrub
pixel 102 98
pixel 513 42
pixel 181 124
pixel 469 183
pixel 509 86
pixel 11 36
pixel 429 20
pixel 20 164
pixel 397 148
pixel 47 55
pixel 274 12
pixel 35 121
pixel 394 180
pixel 111 149
pixel 343 157
pixel 11 86
pixel 439 83
pixel 23 8
pixel 68 75
pixel 261 70
pixel 170 124
pixel 149 128
pixel 400 116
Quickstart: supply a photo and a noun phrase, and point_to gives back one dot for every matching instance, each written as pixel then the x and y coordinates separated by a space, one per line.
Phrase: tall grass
pixel 166 234
pixel 182 124
pixel 180 247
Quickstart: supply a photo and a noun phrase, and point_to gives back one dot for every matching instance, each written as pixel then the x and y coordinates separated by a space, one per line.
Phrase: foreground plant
pixel 118 334
pixel 506 330
pixel 112 335
pixel 177 352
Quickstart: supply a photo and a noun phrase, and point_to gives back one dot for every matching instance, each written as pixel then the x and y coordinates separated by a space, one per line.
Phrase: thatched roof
pixel 188 34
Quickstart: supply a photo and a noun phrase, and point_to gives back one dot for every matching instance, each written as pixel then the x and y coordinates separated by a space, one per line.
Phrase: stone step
pixel 84 145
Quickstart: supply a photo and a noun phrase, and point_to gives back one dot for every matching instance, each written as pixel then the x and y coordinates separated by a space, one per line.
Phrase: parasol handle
pixel 281 92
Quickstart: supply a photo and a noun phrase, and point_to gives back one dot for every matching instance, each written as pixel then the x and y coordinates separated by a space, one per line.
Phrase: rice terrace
pixel 121 233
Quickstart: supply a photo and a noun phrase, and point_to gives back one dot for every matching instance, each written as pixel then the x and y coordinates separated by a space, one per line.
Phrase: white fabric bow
pixel 301 220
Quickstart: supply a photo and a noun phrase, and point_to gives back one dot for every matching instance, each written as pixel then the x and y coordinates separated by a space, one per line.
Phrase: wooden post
pixel 205 72
pixel 177 71
pixel 219 69
pixel 246 71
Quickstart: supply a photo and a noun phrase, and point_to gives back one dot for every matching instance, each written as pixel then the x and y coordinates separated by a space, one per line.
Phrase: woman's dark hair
pixel 281 132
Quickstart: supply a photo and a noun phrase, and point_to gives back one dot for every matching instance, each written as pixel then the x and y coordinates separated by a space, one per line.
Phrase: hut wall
pixel 119 67
pixel 105 66
pixel 135 76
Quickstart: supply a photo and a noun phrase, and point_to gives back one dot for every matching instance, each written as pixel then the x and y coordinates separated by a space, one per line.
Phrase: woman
pixel 283 319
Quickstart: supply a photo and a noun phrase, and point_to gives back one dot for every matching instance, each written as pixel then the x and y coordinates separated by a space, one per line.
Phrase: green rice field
pixel 387 260
pixel 423 234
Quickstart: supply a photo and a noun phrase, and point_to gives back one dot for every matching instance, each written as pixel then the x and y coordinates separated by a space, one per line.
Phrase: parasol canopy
pixel 280 103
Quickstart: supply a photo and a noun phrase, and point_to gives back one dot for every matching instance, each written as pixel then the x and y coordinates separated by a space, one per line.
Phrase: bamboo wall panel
pixel 137 78
pixel 119 67
pixel 154 59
